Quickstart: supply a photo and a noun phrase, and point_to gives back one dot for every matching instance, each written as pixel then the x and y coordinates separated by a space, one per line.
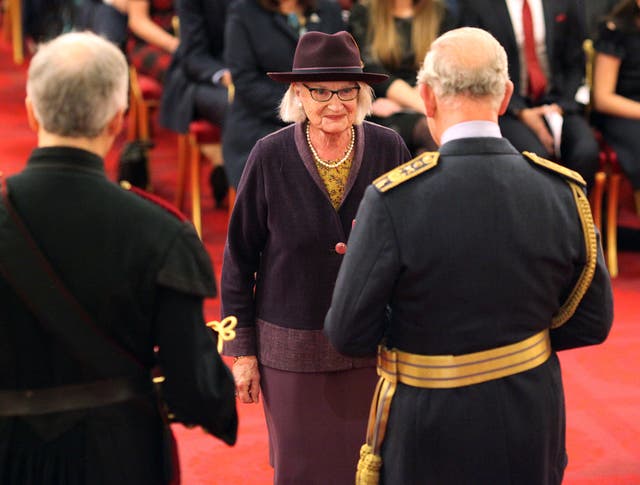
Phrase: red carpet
pixel 602 383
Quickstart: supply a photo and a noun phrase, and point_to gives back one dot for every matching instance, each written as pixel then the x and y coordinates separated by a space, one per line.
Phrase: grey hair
pixel 76 83
pixel 466 61
pixel 291 109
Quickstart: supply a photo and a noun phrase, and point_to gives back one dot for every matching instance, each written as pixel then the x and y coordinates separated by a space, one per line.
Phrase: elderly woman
pixel 295 207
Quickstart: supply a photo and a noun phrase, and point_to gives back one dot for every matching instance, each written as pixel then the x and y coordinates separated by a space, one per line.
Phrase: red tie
pixel 537 79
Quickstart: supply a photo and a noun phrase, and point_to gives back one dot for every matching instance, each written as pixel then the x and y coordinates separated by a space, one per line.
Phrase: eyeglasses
pixel 322 95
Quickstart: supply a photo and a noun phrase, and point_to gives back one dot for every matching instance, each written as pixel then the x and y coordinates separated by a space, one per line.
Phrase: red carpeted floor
pixel 602 383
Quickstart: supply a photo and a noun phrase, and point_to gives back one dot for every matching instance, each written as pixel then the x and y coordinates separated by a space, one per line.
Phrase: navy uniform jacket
pixel 141 274
pixel 476 253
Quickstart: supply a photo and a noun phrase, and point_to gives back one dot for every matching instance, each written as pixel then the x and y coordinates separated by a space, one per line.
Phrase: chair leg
pixel 613 194
pixel 194 162
pixel 17 38
pixel 595 198
pixel 143 118
pixel 183 164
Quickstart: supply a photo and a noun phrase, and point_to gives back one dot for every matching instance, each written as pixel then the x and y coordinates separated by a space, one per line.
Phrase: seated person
pixel 543 41
pixel 394 37
pixel 152 40
pixel 43 20
pixel 616 90
pixel 196 84
pixel 105 18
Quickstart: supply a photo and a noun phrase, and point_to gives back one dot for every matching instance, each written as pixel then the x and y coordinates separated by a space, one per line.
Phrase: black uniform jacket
pixel 476 253
pixel 141 274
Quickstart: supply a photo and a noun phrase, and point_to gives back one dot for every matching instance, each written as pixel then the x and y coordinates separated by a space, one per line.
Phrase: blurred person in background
pixel 395 36
pixel 543 40
pixel 616 87
pixel 198 82
pixel 261 36
pixel 152 39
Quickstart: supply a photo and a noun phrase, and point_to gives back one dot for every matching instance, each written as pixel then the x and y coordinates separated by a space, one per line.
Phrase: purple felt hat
pixel 327 57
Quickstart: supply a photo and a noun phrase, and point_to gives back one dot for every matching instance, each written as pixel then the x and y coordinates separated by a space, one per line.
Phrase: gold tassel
pixel 226 330
pixel 368 472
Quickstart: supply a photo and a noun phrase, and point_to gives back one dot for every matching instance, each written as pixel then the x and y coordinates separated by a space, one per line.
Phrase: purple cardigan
pixel 282 243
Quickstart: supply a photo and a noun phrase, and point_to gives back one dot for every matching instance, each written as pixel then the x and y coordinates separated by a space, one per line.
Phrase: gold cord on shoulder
pixel 569 307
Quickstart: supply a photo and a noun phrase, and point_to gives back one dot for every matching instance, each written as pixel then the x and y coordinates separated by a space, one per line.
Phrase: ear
pixel 429 99
pixel 114 126
pixel 31 115
pixel 296 89
pixel 504 104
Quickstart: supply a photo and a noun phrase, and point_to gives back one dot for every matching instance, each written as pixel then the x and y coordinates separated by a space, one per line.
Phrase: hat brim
pixel 290 77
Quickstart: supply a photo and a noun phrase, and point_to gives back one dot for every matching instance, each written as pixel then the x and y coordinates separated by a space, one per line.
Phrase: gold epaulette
pixel 423 162
pixel 555 167
pixel 577 184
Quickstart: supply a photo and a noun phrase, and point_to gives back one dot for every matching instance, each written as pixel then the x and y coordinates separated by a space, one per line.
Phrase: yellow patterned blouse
pixel 335 180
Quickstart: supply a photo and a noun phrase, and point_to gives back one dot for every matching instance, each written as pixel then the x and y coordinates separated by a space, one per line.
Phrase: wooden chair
pixel 144 96
pixel 12 28
pixel 611 174
pixel 200 132
pixel 189 155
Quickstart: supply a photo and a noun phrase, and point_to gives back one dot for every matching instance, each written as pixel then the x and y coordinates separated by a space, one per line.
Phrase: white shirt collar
pixel 471 129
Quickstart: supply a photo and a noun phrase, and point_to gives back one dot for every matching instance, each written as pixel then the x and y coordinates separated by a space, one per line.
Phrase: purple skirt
pixel 317 423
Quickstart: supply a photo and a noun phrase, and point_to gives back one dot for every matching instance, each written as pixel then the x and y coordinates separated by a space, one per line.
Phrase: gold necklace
pixel 337 163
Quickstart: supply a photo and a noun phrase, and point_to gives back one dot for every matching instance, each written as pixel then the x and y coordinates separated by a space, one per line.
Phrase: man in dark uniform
pixel 137 275
pixel 471 266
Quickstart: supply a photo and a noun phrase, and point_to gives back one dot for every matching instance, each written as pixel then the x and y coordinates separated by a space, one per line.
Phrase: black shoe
pixel 219 184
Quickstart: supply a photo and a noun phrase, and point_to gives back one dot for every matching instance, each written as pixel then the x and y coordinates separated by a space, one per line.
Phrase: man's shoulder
pixel 154 206
pixel 407 171
pixel 555 168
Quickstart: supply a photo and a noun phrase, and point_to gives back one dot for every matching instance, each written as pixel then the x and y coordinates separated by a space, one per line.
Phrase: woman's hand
pixel 247 377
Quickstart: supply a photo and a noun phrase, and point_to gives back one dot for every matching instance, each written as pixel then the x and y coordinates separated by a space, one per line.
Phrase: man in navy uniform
pixel 471 267
pixel 134 277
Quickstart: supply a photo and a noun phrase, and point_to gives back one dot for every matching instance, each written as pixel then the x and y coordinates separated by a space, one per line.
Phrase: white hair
pixel 466 61
pixel 76 83
pixel 291 109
